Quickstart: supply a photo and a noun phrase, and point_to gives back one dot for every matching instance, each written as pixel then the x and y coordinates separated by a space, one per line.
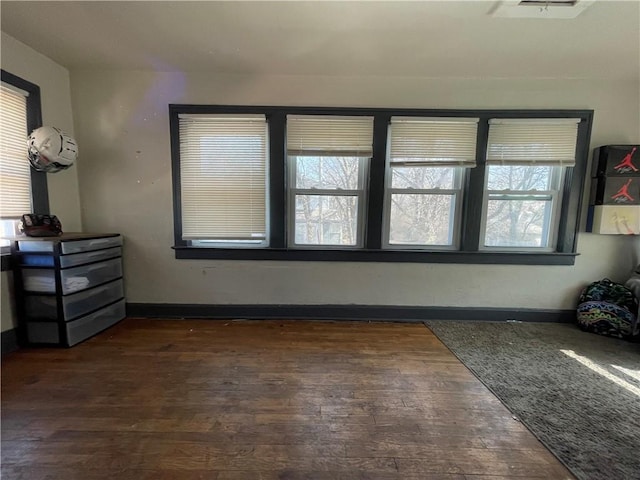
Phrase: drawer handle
pixel 96 267
pixel 114 262
pixel 99 290
pixel 95 254
pixel 99 241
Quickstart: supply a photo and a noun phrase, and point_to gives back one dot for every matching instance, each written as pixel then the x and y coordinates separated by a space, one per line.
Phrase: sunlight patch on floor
pixel 598 369
pixel 627 371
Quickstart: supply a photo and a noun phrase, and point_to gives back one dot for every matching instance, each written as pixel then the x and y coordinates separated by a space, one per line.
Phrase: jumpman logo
pixel 621 220
pixel 626 164
pixel 623 195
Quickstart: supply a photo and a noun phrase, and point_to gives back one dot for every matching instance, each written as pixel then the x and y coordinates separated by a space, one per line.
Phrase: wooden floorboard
pixel 244 400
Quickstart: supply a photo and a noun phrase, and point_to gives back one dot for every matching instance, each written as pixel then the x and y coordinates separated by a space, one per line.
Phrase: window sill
pixel 406 256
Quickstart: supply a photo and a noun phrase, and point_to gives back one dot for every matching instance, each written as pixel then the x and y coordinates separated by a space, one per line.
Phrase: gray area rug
pixel 583 403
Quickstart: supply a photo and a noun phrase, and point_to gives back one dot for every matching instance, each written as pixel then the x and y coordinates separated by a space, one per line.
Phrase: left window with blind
pixel 223 180
pixel 22 190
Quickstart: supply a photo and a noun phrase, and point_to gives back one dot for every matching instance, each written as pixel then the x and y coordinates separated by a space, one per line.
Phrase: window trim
pixel 473 188
pixel 39 187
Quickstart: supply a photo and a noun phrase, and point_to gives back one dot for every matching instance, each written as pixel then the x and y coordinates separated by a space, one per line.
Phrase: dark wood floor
pixel 216 400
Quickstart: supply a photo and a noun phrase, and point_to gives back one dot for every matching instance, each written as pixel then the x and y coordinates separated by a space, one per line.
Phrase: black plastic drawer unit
pixel 68 288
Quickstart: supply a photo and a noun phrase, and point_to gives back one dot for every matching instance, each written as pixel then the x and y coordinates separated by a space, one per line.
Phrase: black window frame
pixel 39 187
pixel 473 188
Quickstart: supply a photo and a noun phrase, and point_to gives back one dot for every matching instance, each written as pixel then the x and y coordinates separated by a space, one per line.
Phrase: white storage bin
pixel 87 276
pixel 36 245
pixel 67 261
pixel 77 246
pixel 85 327
pixel 77 330
pixel 73 279
pixel 68 246
pixel 89 257
pixel 78 304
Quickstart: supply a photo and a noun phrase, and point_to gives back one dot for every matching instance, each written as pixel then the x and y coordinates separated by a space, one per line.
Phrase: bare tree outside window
pixel 520 205
pixel 423 203
pixel 327 196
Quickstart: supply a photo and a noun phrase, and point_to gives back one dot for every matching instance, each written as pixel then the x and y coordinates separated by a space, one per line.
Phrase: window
pixel 22 190
pixel 526 163
pixel 328 160
pixel 388 185
pixel 426 165
pixel 15 192
pixel 223 175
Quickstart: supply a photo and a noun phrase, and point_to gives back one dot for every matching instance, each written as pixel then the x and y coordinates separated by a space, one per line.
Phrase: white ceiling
pixel 424 39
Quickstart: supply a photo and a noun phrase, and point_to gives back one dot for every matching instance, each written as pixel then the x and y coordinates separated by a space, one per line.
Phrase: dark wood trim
pixel 401 256
pixel 277 225
pixel 390 313
pixel 472 202
pixel 39 185
pixel 7 262
pixel 474 193
pixel 18 293
pixel 418 112
pixel 9 341
pixel 174 134
pixel 574 188
pixel 375 193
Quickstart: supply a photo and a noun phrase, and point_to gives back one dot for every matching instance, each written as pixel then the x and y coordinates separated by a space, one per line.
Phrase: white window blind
pixel 549 142
pixel 433 142
pixel 223 174
pixel 329 135
pixel 15 177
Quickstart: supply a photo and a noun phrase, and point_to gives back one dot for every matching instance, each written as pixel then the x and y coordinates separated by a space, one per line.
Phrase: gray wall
pixel 64 197
pixel 125 179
